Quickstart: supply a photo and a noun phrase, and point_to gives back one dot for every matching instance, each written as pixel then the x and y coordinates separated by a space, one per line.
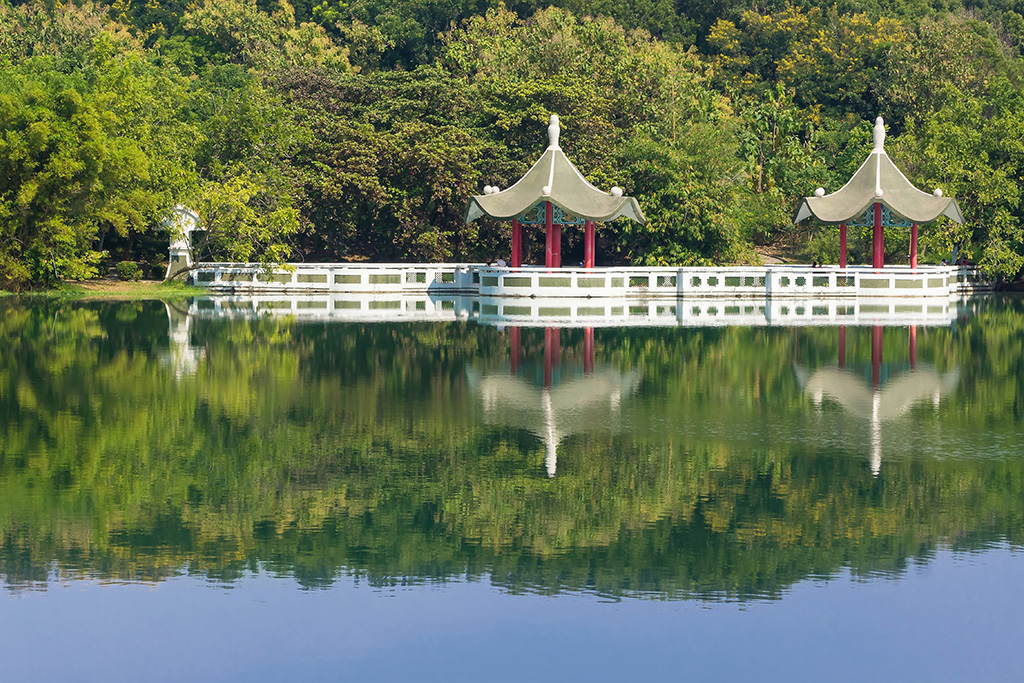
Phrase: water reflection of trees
pixel 319 449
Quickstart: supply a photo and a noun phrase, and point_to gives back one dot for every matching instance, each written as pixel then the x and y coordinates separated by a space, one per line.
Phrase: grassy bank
pixel 115 290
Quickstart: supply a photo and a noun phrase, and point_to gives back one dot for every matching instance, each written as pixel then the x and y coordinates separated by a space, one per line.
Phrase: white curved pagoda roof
pixel 878 180
pixel 554 179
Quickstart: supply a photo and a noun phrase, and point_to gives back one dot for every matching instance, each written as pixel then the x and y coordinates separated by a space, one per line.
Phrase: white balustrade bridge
pixel 774 282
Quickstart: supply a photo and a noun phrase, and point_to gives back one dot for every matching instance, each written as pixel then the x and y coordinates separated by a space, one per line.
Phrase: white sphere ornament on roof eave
pixel 879 192
pixel 938 192
pixel 616 192
pixel 546 190
pixel 487 189
pixel 820 192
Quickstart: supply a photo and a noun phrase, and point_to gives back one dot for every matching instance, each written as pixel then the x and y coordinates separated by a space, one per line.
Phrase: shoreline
pixel 113 290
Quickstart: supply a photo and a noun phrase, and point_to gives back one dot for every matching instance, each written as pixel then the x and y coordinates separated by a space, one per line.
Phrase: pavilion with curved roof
pixel 879 195
pixel 553 193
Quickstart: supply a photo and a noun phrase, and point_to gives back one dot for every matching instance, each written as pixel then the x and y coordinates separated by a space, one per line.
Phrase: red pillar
pixel 517 245
pixel 913 246
pixel 842 245
pixel 842 346
pixel 876 355
pixel 588 350
pixel 913 347
pixel 549 260
pixel 556 230
pixel 516 345
pixel 588 245
pixel 878 249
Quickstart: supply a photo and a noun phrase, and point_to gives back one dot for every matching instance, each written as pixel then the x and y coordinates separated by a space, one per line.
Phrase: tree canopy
pixel 331 130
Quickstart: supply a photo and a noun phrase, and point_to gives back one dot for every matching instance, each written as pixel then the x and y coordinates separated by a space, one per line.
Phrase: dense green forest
pixel 316 449
pixel 357 130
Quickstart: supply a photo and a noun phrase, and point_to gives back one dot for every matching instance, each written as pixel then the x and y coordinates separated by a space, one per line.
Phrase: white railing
pixel 727 282
pixel 339 277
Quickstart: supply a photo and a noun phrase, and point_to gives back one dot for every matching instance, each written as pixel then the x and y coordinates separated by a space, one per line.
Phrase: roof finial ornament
pixel 553 131
pixel 879 134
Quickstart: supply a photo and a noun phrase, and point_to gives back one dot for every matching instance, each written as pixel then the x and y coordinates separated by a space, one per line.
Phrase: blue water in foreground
pixel 955 618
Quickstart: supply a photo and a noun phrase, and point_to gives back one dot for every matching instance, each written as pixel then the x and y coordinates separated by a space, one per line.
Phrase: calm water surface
pixel 264 498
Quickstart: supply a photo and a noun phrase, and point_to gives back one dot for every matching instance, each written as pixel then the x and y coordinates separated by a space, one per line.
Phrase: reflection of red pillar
pixel 878 249
pixel 913 347
pixel 517 245
pixel 588 245
pixel 513 334
pixel 876 355
pixel 552 352
pixel 842 346
pixel 549 235
pixel 548 353
pixel 556 242
pixel 913 245
pixel 588 350
pixel 842 245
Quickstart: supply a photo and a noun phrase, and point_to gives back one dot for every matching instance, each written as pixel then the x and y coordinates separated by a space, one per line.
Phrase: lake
pixel 233 497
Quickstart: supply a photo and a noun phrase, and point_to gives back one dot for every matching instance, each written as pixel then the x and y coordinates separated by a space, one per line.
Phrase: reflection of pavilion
pixel 572 400
pixel 181 355
pixel 881 401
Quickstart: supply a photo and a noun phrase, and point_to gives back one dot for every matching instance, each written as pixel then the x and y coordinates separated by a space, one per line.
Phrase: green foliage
pixel 243 221
pixel 388 163
pixel 239 31
pixel 975 153
pixel 90 142
pixel 128 270
pixel 76 159
pixel 358 129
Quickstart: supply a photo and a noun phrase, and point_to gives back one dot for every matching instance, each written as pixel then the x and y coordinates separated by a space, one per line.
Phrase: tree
pixel 388 164
pixel 90 143
pixel 240 32
pixel 973 150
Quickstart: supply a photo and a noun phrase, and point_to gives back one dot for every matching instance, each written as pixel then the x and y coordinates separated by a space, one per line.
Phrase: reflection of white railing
pixel 709 312
pixel 733 282
pixel 576 312
pixel 351 307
